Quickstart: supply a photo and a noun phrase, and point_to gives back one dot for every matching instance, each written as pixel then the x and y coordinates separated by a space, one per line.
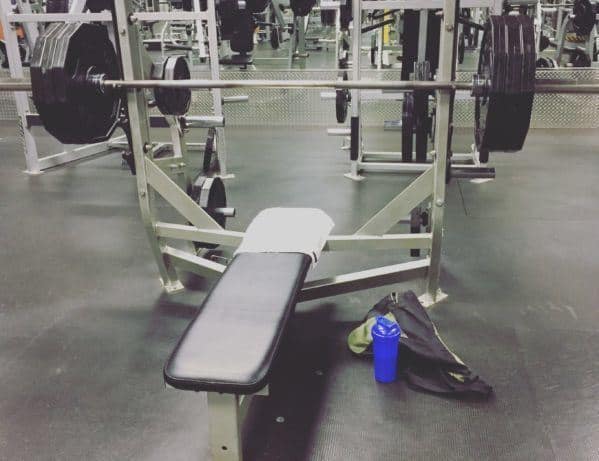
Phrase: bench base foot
pixel 173 287
pixel 226 413
pixel 427 300
pixel 225 427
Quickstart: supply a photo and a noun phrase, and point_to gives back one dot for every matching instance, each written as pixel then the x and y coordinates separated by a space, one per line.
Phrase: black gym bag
pixel 425 362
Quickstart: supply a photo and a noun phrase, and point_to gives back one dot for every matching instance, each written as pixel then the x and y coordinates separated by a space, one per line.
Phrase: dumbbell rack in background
pixel 24 14
pixel 362 160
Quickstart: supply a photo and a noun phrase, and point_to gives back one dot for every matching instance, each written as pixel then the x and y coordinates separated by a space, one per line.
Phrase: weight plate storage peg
pixel 67 63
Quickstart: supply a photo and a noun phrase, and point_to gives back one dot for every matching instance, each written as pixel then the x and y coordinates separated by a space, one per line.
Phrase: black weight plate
pixel 256 6
pixel 242 38
pixel 209 193
pixel 95 6
pixel 345 15
pixel 483 156
pixel 210 163
pixel 584 17
pixel 327 17
pixel 527 35
pixel 461 48
pixel 579 58
pixel 502 115
pixel 50 103
pixel 422 125
pixel 301 7
pixel 415 228
pixel 57 6
pixel 407 127
pixel 516 55
pixel 38 73
pixel 546 63
pixel 342 99
pixel 72 109
pixel 341 104
pixel 411 21
pixel 275 39
pixel 174 101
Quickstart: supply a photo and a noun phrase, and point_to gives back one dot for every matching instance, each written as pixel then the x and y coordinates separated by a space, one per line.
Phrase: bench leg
pixel 225 427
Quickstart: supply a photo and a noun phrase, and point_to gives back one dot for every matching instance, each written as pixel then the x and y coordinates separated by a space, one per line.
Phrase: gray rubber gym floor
pixel 85 328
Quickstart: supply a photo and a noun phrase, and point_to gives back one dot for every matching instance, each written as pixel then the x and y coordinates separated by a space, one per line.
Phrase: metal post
pixel 293 41
pixel 422 36
pixel 130 44
pixel 443 127
pixel 21 99
pixel 31 30
pixel 356 38
pixel 380 46
pixel 217 98
pixel 338 37
pixel 200 33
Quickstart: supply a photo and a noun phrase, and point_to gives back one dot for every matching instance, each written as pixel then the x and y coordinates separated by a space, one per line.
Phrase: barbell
pixel 541 86
pixel 79 96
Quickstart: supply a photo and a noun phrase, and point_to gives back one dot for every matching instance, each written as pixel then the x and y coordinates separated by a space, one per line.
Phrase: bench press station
pixel 257 292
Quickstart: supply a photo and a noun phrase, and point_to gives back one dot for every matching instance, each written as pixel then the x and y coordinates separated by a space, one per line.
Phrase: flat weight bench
pixel 229 348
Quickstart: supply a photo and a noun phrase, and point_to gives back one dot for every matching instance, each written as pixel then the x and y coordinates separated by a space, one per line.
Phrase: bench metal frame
pixel 169 177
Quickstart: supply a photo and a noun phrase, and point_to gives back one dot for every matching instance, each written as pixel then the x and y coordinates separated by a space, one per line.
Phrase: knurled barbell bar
pixel 78 93
pixel 541 86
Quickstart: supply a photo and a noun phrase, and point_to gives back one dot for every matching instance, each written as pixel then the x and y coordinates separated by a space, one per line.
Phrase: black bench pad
pixel 230 346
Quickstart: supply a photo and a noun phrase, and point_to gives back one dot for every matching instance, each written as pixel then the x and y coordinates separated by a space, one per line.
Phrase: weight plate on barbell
pixel 173 101
pixel 584 17
pixel 72 108
pixel 506 63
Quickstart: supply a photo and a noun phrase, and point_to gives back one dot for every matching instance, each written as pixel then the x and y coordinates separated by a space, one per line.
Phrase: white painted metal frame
pixel 226 410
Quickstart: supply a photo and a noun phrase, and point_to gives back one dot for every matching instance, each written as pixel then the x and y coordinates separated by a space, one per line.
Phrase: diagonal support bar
pixel 193 263
pixel 371 278
pixel 173 194
pixel 377 242
pixel 183 232
pixel 408 199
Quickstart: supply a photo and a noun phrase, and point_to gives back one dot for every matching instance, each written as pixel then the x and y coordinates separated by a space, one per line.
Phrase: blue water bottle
pixel 385 335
